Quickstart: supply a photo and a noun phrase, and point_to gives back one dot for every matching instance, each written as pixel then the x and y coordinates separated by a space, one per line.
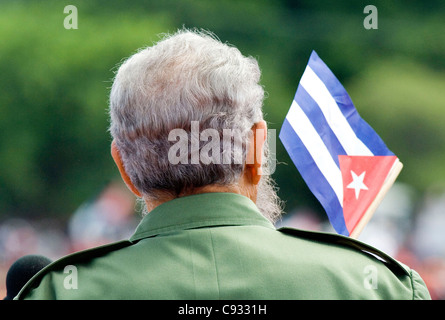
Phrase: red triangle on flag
pixel 363 177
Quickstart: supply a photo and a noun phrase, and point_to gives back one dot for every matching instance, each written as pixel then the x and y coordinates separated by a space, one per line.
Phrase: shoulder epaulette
pixel 392 264
pixel 72 259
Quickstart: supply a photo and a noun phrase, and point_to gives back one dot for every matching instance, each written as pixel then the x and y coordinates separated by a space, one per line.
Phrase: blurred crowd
pixel 109 217
pixel 410 230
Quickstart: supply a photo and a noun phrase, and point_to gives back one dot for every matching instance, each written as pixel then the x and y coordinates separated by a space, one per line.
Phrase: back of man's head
pixel 189 80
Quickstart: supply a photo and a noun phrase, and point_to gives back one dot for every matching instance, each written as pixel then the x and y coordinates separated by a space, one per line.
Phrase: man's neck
pixel 151 204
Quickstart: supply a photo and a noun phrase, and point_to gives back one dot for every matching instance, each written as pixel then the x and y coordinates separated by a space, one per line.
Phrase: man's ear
pixel 118 160
pixel 255 152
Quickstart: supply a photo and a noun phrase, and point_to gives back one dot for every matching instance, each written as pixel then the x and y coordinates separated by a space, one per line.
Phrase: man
pixel 183 114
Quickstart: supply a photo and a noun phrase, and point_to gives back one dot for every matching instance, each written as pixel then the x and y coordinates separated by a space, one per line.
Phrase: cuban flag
pixel 340 157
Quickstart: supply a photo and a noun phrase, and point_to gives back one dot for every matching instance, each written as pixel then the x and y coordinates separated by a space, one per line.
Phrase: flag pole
pixel 389 181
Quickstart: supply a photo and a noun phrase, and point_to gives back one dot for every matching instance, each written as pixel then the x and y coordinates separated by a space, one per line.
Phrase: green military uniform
pixel 219 246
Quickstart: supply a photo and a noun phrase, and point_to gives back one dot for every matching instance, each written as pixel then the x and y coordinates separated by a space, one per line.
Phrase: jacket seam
pixel 412 284
pixel 215 264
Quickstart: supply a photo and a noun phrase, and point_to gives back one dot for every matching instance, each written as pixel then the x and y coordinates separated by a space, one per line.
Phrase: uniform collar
pixel 201 210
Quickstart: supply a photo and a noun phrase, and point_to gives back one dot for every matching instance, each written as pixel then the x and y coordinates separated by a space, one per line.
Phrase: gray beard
pixel 268 202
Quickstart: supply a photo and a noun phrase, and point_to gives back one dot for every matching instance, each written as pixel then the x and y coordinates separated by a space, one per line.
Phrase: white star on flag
pixel 357 183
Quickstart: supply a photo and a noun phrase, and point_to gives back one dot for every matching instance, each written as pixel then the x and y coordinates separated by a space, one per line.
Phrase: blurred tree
pixel 404 101
pixel 54 82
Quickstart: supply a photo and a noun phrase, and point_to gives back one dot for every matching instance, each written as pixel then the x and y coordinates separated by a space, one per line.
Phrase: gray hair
pixel 188 76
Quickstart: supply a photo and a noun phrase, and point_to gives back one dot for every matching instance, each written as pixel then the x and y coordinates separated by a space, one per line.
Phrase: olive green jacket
pixel 219 246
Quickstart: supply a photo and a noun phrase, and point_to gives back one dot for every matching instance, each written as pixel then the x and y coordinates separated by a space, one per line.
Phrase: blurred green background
pixel 54 83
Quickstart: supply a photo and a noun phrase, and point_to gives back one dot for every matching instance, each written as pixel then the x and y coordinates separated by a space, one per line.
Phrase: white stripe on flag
pixel 316 148
pixel 335 118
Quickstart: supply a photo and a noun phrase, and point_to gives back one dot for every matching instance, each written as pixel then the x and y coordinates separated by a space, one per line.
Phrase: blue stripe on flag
pixel 318 120
pixel 361 128
pixel 313 177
